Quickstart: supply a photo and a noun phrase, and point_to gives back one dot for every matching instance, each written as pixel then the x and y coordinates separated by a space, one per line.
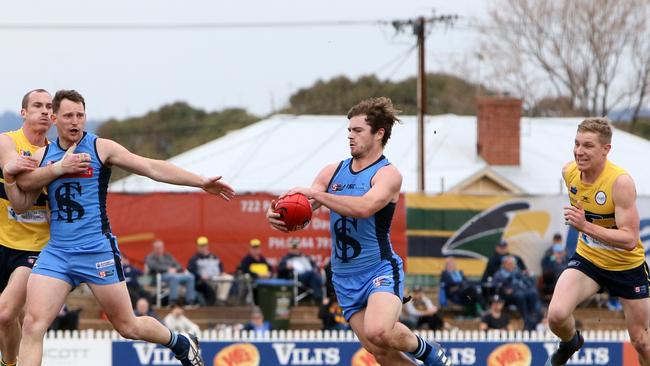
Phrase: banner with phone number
pixel 274 353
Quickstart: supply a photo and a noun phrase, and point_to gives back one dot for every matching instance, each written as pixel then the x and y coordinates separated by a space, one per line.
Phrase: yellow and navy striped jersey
pixel 596 200
pixel 30 230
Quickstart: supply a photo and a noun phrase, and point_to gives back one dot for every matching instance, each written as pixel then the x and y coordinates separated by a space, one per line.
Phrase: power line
pixel 187 26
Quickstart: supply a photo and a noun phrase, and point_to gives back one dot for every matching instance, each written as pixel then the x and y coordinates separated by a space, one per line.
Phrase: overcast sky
pixel 127 72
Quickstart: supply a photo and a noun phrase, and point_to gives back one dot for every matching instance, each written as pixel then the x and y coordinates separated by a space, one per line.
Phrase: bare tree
pixel 542 48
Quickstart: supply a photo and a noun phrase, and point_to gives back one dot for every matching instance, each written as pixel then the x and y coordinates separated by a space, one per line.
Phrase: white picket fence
pixel 348 336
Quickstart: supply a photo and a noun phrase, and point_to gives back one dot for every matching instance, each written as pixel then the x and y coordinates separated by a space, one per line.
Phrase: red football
pixel 295 211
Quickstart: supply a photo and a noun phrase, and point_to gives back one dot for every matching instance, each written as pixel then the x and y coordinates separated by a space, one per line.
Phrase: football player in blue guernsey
pixel 82 247
pixel 361 193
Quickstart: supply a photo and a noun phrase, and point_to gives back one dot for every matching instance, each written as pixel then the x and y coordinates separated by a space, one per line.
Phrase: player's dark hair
pixel 26 96
pixel 379 113
pixel 71 95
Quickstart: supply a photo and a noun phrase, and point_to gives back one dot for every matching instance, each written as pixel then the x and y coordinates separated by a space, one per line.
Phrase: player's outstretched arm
pixel 386 186
pixel 159 170
pixel 626 234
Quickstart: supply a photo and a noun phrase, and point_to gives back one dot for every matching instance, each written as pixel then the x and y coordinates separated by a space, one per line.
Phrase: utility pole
pixel 419 30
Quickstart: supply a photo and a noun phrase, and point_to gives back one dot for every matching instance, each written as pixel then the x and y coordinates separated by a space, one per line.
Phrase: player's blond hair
pixel 599 125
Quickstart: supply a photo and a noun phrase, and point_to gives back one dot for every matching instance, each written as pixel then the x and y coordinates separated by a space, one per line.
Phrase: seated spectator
pixel 553 263
pixel 518 288
pixel 295 263
pixel 172 273
pixel 494 264
pixel 254 264
pixel 132 279
pixel 458 289
pixel 143 308
pixel 420 311
pixel 332 315
pixel 208 273
pixel 257 322
pixel 66 319
pixel 495 318
pixel 177 321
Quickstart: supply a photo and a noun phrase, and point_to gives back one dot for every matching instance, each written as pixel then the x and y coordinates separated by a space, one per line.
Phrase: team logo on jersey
pixel 346 247
pixel 104 264
pixel 337 187
pixel 107 273
pixel 382 281
pixel 574 189
pixel 69 210
pixel 601 198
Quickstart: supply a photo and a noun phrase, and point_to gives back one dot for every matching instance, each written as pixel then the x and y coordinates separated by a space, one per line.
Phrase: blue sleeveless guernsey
pixel 81 246
pixel 359 244
pixel 78 202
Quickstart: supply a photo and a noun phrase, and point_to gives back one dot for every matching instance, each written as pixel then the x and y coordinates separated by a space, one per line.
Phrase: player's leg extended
pixel 572 288
pixel 45 297
pixel 115 301
pixel 637 320
pixel 12 300
pixel 385 356
pixel 383 329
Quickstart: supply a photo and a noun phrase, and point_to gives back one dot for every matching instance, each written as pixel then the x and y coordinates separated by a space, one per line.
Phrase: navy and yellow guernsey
pixel 359 244
pixel 30 230
pixel 78 202
pixel 596 200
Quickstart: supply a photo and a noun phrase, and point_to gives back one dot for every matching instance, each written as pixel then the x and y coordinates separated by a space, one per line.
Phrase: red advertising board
pixel 179 218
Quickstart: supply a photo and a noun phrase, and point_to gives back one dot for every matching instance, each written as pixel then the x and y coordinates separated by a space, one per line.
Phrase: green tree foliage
pixel 173 129
pixel 445 94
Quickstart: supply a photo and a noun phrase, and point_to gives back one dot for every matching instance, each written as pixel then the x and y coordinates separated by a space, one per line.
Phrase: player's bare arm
pixel 319 184
pixel 112 153
pixel 13 164
pixel 39 178
pixel 385 189
pixel 626 235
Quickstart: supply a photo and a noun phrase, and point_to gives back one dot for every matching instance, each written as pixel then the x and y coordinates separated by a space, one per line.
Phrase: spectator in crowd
pixel 208 273
pixel 254 264
pixel 297 264
pixel 495 318
pixel 332 315
pixel 177 321
pixel 143 308
pixel 132 279
pixel 494 264
pixel 327 269
pixel 172 273
pixel 66 319
pixel 553 263
pixel 257 322
pixel 458 289
pixel 420 311
pixel 518 288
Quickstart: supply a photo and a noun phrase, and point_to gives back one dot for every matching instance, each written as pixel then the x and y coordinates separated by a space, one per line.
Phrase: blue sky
pixel 129 72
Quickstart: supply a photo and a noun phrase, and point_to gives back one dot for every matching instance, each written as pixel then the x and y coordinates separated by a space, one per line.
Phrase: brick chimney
pixel 498 130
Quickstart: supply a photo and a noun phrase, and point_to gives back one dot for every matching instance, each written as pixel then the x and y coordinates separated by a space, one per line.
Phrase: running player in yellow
pixel 609 255
pixel 22 236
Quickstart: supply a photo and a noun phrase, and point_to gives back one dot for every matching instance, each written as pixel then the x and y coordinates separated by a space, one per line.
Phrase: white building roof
pixel 284 151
